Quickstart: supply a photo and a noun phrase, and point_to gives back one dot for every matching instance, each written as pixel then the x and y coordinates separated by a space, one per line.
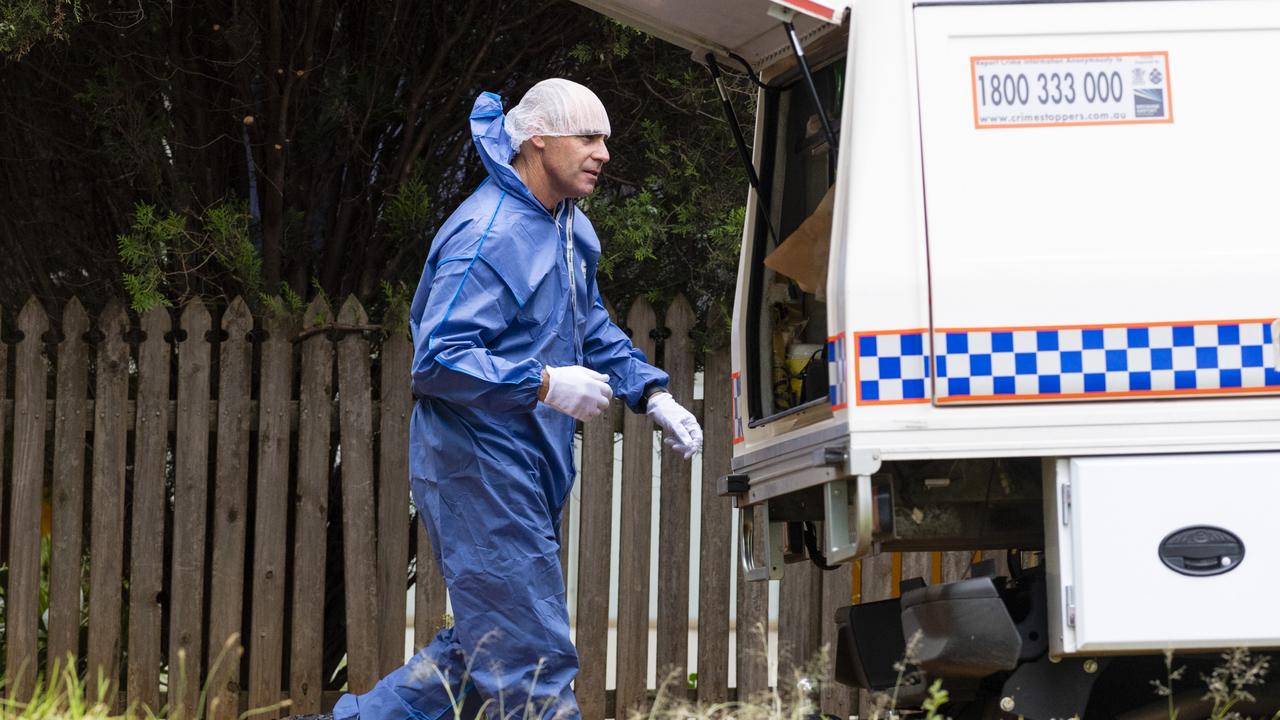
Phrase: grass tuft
pixel 62 696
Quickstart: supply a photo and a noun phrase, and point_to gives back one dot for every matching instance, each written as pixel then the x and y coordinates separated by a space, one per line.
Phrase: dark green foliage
pixel 25 23
pixel 211 148
pixel 408 213
pixel 171 258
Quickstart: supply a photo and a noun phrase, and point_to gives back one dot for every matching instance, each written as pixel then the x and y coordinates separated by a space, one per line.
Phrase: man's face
pixel 572 163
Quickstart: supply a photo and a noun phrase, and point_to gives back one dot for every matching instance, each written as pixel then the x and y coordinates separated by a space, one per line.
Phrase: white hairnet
pixel 556 107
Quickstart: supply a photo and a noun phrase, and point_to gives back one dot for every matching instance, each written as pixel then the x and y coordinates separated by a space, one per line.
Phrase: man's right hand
pixel 576 391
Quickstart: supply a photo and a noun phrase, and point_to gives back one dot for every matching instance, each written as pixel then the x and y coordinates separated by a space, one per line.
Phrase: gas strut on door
pixel 808 79
pixel 731 116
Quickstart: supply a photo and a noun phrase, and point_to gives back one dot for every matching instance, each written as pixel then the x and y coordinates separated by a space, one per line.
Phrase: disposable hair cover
pixel 556 107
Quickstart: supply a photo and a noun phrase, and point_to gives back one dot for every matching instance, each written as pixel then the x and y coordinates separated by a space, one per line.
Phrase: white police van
pixel 1037 310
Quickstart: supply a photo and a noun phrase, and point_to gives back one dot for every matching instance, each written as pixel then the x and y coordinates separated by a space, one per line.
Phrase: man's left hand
pixel 683 434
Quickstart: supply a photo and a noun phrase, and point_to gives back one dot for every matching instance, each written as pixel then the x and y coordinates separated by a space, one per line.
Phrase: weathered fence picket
pixel 267 539
pixel 396 356
pixel 673 521
pixel 715 558
pixel 22 599
pixel 311 511
pixel 230 513
pixel 190 506
pixel 270 508
pixel 634 535
pixel 799 618
pixel 106 546
pixel 146 562
pixel 359 514
pixel 595 483
pixel 65 566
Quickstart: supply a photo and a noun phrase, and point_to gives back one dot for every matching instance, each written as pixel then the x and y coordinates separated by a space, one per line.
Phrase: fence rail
pixel 199 470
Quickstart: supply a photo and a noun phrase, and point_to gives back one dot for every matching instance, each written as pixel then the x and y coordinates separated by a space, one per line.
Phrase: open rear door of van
pixel 1101 199
pixel 741 27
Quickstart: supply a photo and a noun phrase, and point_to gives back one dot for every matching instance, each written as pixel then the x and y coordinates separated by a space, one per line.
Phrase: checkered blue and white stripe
pixel 837 391
pixel 1104 361
pixel 892 367
pixel 976 365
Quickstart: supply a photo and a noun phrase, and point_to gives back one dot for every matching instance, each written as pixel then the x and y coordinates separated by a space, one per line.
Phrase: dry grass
pixel 64 695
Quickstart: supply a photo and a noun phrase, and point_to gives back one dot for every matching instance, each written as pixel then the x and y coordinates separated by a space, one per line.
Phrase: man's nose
pixel 601 153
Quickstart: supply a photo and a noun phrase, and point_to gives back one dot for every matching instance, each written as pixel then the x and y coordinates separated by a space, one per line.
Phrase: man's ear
pixel 539 142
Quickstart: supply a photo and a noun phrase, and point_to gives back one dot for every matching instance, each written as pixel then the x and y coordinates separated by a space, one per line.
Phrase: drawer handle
pixel 1201 550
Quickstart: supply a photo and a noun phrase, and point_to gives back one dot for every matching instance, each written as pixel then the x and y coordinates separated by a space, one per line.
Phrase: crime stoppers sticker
pixel 1083 89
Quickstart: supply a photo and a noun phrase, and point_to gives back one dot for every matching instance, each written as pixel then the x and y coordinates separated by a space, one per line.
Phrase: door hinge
pixel 1071 606
pixel 1066 504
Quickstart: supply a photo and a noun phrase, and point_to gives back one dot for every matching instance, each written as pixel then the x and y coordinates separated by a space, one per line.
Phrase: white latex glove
pixel 683 434
pixel 578 392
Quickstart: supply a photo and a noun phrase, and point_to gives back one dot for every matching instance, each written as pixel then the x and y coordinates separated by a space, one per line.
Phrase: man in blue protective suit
pixel 512 346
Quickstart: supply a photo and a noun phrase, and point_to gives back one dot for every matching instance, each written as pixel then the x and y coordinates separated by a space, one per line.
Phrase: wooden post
pixel 22 601
pixel 799 607
pixel 673 523
pixel 715 552
pixel 65 562
pixel 311 516
pixel 230 501
pixel 393 495
pixel 107 509
pixel 266 642
pixel 190 506
pixel 358 509
pixel 634 536
pixel 146 565
pixel 594 555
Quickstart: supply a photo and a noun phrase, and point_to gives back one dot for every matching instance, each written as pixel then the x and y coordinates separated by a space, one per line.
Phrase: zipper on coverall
pixel 573 279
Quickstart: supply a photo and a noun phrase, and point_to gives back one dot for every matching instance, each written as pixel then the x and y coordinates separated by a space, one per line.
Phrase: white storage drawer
pixel 1163 551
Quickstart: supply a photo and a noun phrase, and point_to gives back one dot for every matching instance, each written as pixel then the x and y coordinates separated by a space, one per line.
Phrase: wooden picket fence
pixel 187 461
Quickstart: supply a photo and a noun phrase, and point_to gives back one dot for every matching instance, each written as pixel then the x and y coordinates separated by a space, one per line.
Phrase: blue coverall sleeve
pixel 608 350
pixel 468 308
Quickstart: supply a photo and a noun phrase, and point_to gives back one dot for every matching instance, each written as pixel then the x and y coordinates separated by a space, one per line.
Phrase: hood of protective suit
pixel 494 145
